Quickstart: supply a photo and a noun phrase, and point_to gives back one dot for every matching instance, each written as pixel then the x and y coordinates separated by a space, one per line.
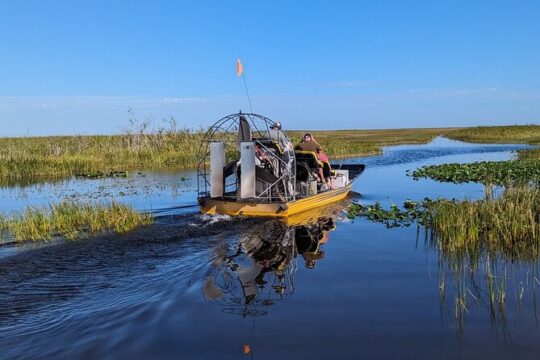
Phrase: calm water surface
pixel 319 286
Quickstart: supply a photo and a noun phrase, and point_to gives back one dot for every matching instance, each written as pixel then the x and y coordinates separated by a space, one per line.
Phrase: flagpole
pixel 240 72
pixel 247 92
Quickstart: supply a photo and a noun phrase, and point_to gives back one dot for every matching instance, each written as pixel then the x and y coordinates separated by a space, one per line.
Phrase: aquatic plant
pixel 103 175
pixel 478 243
pixel 509 224
pixel 72 220
pixel 486 283
pixel 529 154
pixel 413 212
pixel 513 172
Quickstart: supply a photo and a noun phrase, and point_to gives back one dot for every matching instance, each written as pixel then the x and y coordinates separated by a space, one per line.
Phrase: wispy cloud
pixel 404 108
pixel 492 92
pixel 80 102
pixel 349 84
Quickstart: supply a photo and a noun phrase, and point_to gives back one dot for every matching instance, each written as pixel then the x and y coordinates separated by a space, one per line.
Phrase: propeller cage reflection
pixel 258 269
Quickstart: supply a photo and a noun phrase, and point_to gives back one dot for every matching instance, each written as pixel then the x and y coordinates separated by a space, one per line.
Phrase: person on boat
pixel 266 158
pixel 262 159
pixel 321 155
pixel 275 133
pixel 308 144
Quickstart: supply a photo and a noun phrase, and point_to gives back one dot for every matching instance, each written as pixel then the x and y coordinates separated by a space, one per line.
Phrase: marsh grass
pixel 143 146
pixel 509 224
pixel 72 220
pixel 529 154
pixel 480 244
pixel 140 146
pixel 526 134
pixel 487 283
pixel 345 143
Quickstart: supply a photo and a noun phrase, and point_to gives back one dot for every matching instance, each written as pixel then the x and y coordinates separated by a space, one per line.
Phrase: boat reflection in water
pixel 258 270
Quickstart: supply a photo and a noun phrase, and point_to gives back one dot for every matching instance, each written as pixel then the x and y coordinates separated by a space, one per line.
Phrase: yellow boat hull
pixel 278 209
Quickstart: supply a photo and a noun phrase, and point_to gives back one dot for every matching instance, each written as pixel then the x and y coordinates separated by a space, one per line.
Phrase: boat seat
pixel 271 144
pixel 312 160
pixel 303 171
pixel 308 157
pixel 265 175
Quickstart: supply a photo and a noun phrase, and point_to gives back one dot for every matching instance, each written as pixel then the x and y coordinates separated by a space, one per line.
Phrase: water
pixel 197 287
pixel 145 190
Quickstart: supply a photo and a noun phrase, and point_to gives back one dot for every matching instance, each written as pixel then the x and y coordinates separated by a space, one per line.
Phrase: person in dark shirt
pixel 309 145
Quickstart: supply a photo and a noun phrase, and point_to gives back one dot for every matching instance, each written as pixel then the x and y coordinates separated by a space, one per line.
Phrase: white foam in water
pixel 212 219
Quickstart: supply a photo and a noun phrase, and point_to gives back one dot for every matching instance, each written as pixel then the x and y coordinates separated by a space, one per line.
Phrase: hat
pixel 276 125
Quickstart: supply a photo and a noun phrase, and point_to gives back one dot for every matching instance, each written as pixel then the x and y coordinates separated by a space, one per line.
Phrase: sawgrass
pixel 345 143
pixel 71 220
pixel 529 154
pixel 509 224
pixel 34 157
pixel 28 159
pixel 524 134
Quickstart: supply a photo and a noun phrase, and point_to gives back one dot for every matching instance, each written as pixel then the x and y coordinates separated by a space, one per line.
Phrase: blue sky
pixel 78 67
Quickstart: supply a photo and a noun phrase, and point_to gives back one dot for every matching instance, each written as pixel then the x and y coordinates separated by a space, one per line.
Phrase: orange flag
pixel 239 68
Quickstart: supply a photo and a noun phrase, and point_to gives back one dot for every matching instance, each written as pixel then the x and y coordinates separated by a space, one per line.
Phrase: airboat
pixel 248 166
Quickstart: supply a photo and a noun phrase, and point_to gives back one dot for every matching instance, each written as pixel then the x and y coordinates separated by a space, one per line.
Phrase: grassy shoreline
pixel 60 156
pixel 71 220
pixel 30 158
pixel 345 143
pixel 508 224
pixel 520 134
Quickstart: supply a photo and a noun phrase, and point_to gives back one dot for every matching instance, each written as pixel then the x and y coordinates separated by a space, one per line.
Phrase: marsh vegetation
pixel 345 143
pixel 138 147
pixel 529 154
pixel 439 286
pixel 524 134
pixel 143 145
pixel 71 220
pixel 509 224
pixel 508 173
pixel 488 248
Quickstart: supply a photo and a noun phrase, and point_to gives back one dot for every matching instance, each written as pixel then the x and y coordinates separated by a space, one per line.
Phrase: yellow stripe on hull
pixel 278 209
